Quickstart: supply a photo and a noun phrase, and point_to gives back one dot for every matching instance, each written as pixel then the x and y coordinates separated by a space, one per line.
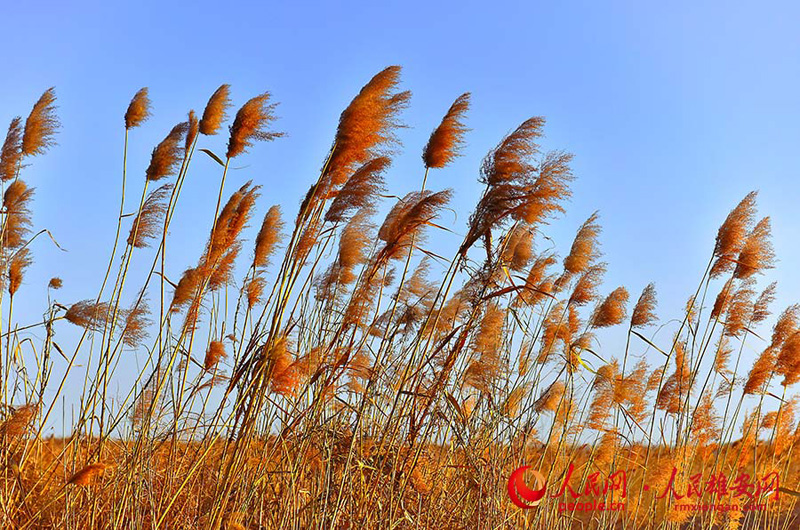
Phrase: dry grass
pixel 346 374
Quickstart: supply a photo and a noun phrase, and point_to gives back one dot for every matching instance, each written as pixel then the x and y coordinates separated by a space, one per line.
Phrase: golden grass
pixel 348 374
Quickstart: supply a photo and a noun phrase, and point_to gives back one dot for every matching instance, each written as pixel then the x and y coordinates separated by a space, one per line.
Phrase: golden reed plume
pixel 447 139
pixel 361 190
pixel 366 127
pixel 251 124
pixel 17 423
pixel 216 111
pixel 19 262
pixel 732 235
pixel 191 131
pixel 148 222
pixel 88 314
pixel 612 310
pixel 11 153
pixel 167 154
pixel 268 237
pixel 41 125
pixel 138 109
pixel 644 311
pixel 214 354
pixel 17 225
pixel 88 474
pixel 584 249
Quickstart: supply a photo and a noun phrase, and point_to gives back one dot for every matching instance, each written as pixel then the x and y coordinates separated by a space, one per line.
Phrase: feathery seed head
pixel 147 223
pixel 644 310
pixel 138 110
pixel 612 310
pixel 268 237
pixel 447 139
pixel 216 111
pixel 191 132
pixel 16 269
pixel 11 152
pixel 167 154
pixel 732 234
pixel 366 126
pixel 251 124
pixel 214 354
pixel 41 125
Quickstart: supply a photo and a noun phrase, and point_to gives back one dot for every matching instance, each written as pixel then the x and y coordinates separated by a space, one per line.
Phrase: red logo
pixel 521 494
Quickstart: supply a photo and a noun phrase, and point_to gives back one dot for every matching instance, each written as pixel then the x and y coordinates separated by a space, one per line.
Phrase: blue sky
pixel 673 110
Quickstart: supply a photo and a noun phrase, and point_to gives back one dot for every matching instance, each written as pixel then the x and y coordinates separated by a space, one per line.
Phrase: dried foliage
pixel 383 373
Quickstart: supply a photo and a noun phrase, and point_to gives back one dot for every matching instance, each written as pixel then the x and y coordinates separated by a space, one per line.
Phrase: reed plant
pixel 330 368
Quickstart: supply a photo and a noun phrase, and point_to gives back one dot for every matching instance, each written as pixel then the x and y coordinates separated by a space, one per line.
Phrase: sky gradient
pixel 673 111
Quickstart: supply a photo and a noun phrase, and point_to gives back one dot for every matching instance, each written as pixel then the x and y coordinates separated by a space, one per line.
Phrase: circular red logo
pixel 522 495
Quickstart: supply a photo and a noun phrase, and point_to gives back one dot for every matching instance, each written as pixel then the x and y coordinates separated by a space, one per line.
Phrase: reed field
pixel 324 365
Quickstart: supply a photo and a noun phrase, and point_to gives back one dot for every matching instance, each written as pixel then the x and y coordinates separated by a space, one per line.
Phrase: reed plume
pixel 516 187
pixel 788 361
pixel 251 124
pixel 283 372
pixel 585 290
pixel 17 225
pixel 538 285
pixel 402 225
pixel 360 192
pixel 138 109
pixel 677 387
pixel 353 243
pixel 487 343
pixel 723 299
pixel 760 372
pixel 757 254
pixel 550 398
pixel 192 130
pixel 88 474
pixel 584 249
pixel 447 139
pixel 722 355
pixel 732 234
pixel 55 283
pixel 187 287
pixel 644 311
pixel 167 154
pixel 518 248
pixel 366 126
pixel 612 310
pixel 223 245
pixel 740 310
pixel 17 266
pixel 216 111
pixel 11 152
pixel 88 314
pixel 147 223
pixel 41 125
pixel 18 421
pixel 214 354
pixel 761 310
pixel 255 291
pixel 268 237
pixel 136 323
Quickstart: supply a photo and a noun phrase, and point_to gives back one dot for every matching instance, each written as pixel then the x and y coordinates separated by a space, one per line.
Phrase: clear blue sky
pixel 674 111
